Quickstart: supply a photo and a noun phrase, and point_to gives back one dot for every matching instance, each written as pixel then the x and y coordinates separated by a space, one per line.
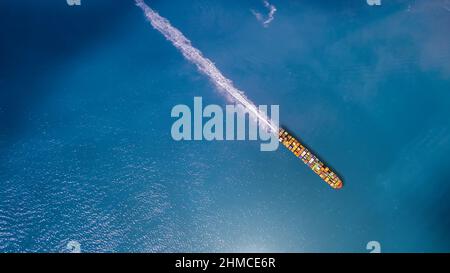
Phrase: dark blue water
pixel 86 152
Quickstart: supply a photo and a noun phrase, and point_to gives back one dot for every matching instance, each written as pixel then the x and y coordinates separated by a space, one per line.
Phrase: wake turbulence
pixel 208 68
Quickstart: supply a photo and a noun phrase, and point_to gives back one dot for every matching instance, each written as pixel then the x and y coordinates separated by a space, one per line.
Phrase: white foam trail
pixel 272 10
pixel 203 64
pixel 270 17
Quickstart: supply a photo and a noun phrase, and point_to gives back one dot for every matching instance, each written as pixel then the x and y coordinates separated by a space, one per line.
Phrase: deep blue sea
pixel 86 153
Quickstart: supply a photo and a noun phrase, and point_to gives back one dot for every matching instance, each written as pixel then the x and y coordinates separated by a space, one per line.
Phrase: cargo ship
pixel 309 159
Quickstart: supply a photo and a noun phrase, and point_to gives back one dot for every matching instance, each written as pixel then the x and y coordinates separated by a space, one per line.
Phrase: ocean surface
pixel 86 153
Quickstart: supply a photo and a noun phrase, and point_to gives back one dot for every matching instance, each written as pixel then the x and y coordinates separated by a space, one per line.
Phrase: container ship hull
pixel 311 160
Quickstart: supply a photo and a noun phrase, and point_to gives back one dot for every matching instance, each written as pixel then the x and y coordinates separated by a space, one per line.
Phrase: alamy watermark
pixel 374 247
pixel 73 2
pixel 74 246
pixel 211 123
pixel 374 2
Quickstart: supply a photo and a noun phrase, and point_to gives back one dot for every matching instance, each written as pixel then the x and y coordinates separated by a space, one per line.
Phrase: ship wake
pixel 205 65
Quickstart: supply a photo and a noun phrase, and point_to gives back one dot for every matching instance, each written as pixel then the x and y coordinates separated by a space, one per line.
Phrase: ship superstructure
pixel 309 159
